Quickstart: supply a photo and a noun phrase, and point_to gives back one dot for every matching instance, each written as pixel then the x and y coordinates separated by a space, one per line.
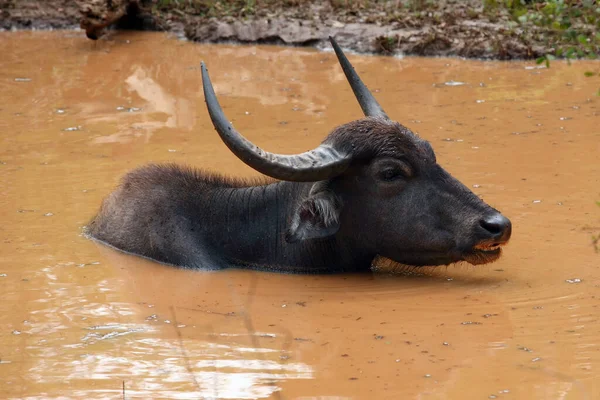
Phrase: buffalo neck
pixel 247 226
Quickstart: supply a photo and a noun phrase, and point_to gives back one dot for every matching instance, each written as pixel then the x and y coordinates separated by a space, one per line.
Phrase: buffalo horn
pixel 322 163
pixel 365 98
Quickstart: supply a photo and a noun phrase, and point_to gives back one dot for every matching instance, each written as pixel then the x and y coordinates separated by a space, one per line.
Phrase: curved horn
pixel 365 98
pixel 322 163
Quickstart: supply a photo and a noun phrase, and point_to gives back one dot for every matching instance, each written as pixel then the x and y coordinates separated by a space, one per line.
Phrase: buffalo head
pixel 376 186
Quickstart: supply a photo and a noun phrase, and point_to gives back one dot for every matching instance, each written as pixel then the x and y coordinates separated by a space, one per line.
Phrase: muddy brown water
pixel 79 320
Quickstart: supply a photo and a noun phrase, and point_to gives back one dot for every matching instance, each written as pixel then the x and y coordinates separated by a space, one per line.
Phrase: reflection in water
pixel 80 320
pixel 155 100
pixel 162 371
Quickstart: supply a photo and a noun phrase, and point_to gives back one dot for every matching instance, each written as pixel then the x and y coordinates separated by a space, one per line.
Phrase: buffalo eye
pixel 390 172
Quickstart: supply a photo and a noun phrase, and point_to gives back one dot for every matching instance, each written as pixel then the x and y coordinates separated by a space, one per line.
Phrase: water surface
pixel 79 320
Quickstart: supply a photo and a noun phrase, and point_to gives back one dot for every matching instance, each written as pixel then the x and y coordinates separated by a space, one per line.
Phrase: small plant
pixel 570 27
pixel 387 44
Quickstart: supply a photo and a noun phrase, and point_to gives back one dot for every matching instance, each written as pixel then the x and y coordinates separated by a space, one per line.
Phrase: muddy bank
pixel 449 28
pixel 460 29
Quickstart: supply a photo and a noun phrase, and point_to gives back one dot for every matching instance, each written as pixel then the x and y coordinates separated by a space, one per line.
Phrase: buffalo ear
pixel 318 216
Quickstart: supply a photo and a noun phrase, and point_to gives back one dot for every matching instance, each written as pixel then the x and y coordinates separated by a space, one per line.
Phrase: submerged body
pixel 188 218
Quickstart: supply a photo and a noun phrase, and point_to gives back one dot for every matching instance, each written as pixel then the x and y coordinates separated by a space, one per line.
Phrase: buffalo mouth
pixel 483 253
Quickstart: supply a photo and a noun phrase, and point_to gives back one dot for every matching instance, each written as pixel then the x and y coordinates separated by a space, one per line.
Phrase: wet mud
pixel 80 320
pixel 449 28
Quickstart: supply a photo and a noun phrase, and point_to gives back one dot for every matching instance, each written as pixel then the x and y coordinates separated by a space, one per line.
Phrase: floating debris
pixel 536 359
pixel 72 128
pixel 22 79
pixel 379 337
pixel 565 118
pixel 489 315
pixel 479 101
pixel 16 332
pixel 574 280
pixel 128 109
pixel 90 263
pixel 471 323
pixel 299 339
pixel 476 186
pixel 446 344
pixel 492 396
pixel 247 112
pixel 427 375
pixel 527 349
pixel 454 83
pixel 152 317
pixel 172 150
pixel 49 214
pixel 166 321
pixel 60 111
pixel 3 275
pixel 536 201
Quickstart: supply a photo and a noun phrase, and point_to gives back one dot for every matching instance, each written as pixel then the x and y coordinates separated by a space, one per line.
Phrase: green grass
pixel 571 26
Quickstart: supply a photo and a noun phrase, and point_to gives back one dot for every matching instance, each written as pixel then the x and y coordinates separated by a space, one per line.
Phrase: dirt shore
pixel 445 28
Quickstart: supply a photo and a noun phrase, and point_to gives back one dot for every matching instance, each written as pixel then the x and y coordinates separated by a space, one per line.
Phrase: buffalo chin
pixel 477 255
pixel 480 256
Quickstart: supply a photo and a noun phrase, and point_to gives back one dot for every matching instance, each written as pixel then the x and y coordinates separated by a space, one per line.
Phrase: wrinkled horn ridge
pixel 365 98
pixel 324 162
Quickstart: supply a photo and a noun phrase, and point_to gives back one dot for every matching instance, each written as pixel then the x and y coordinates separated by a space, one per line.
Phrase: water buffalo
pixel 372 188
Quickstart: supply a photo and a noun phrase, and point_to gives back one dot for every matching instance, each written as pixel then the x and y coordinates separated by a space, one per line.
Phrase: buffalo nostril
pixel 498 226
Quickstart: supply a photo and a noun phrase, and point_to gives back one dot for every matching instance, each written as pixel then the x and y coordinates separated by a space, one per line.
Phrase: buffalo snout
pixel 497 227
